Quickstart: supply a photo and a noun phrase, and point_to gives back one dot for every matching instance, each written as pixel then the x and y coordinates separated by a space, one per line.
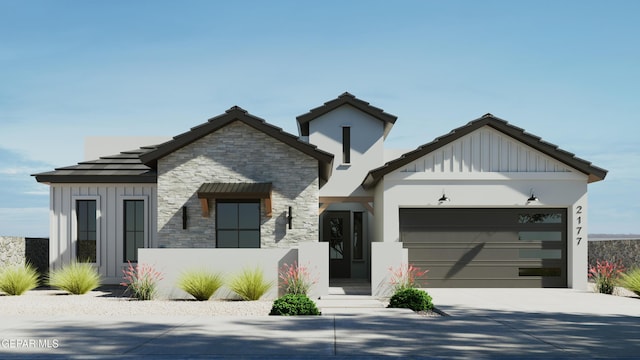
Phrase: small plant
pixel 296 279
pixel 141 280
pixel 631 281
pixel 294 304
pixel 200 284
pixel 605 274
pixel 411 298
pixel 250 284
pixel 18 279
pixel 76 278
pixel 405 277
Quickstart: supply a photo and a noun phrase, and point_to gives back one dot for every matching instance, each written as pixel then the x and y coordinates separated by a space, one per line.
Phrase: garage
pixel 487 247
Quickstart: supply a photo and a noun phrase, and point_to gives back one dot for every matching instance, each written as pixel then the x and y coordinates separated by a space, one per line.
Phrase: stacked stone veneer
pixel 12 250
pixel 237 153
pixel 627 252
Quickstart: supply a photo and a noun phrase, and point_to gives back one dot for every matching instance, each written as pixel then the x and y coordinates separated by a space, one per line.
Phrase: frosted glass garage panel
pixel 540 235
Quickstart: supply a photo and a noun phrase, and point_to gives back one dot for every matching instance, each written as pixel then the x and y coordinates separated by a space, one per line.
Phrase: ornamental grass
pixel 18 279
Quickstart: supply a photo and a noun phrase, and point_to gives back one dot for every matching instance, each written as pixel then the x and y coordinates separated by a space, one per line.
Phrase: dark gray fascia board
pixel 95 179
pixel 594 173
pixel 345 99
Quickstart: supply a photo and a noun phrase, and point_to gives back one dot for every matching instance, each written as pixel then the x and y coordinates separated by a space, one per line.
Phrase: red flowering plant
pixel 605 275
pixel 141 280
pixel 405 277
pixel 296 279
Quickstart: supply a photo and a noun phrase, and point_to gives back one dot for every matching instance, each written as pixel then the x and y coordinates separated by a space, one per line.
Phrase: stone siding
pixel 12 250
pixel 16 250
pixel 625 251
pixel 237 153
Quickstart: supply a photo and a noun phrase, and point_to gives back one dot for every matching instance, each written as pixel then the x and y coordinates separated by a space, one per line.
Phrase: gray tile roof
pixel 594 173
pixel 125 167
pixel 345 99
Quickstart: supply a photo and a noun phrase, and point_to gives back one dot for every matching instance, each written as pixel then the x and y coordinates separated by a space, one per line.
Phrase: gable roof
pixel 594 173
pixel 235 113
pixel 345 99
pixel 125 167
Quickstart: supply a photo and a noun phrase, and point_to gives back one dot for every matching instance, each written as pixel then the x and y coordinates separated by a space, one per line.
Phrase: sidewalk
pixel 486 323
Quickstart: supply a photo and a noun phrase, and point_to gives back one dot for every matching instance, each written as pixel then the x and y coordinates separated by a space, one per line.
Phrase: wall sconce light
pixel 532 198
pixel 290 218
pixel 184 217
pixel 443 198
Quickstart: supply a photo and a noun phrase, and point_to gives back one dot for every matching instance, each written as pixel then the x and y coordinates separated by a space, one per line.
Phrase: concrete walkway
pixel 484 323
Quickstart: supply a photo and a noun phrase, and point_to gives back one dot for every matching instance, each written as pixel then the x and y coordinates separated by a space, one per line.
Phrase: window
pixel 346 145
pixel 86 230
pixel 133 229
pixel 238 224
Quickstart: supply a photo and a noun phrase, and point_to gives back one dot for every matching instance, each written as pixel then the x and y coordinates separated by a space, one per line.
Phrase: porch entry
pixel 336 230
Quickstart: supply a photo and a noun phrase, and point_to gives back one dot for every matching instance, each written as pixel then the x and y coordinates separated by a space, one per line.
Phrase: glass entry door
pixel 336 230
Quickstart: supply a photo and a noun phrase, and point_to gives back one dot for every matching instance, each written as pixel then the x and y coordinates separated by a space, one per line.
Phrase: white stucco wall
pixel 367 150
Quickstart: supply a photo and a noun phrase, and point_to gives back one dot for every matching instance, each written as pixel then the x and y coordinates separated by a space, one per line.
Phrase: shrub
pixel 605 274
pixel 294 304
pixel 411 298
pixel 18 279
pixel 200 284
pixel 405 277
pixel 296 279
pixel 76 278
pixel 631 281
pixel 141 280
pixel 250 284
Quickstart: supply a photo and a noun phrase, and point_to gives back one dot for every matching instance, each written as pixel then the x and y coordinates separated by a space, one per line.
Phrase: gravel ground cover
pixel 110 302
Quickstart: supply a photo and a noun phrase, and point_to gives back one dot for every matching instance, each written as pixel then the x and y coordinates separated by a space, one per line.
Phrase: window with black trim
pixel 346 145
pixel 238 224
pixel 86 230
pixel 133 229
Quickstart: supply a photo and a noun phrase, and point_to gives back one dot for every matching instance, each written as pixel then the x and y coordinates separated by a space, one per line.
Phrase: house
pixel 487 205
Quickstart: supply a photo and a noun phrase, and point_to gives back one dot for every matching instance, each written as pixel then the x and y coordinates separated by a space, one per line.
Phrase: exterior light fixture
pixel 443 198
pixel 532 198
pixel 184 217
pixel 290 218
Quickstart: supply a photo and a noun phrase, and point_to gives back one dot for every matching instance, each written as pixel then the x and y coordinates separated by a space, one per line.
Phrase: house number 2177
pixel 579 221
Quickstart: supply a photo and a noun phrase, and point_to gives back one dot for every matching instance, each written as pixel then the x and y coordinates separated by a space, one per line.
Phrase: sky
pixel 567 71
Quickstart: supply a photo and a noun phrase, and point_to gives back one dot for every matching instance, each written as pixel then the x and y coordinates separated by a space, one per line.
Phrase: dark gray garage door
pixel 487 247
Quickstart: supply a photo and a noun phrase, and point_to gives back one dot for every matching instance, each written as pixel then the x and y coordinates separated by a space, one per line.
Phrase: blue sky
pixel 568 71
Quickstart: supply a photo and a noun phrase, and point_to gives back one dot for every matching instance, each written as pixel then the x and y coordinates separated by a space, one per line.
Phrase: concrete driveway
pixel 484 323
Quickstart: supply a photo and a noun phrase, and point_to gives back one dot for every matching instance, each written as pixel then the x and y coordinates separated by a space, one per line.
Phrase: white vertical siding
pixel 110 236
pixel 485 150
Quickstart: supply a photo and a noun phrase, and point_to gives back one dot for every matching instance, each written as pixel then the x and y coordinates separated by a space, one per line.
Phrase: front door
pixel 336 230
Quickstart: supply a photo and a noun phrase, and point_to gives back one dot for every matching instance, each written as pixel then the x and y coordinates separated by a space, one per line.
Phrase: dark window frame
pixel 139 229
pixel 86 228
pixel 238 229
pixel 346 145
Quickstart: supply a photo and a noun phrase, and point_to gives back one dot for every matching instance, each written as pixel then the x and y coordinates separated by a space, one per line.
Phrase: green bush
pixel 631 281
pixel 294 304
pixel 18 279
pixel 411 298
pixel 250 284
pixel 200 284
pixel 77 278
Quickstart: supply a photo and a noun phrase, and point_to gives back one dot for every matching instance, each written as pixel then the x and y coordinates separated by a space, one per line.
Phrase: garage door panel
pixel 487 247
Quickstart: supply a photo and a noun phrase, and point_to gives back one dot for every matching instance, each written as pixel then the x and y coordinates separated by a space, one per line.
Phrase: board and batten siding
pixel 109 207
pixel 485 150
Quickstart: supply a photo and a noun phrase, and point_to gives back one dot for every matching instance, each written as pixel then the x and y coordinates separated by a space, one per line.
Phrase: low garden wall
pixel 173 262
pixel 17 250
pixel 626 252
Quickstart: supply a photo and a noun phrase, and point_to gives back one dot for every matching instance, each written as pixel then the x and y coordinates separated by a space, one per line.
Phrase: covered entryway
pixel 515 247
pixel 337 232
